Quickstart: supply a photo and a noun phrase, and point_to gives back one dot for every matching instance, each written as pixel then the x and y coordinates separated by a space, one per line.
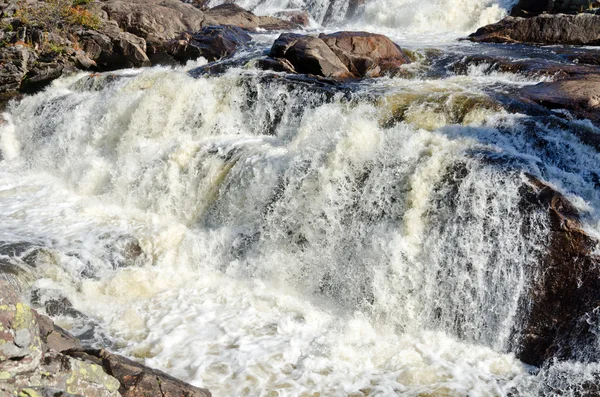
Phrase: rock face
pixel 528 8
pixel 39 358
pixel 212 43
pixel 581 29
pixel 565 291
pixel 339 55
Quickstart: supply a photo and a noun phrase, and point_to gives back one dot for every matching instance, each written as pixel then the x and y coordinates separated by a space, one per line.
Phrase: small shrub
pixel 80 16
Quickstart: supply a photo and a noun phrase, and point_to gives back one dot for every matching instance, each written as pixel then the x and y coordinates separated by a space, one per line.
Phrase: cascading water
pixel 404 15
pixel 260 237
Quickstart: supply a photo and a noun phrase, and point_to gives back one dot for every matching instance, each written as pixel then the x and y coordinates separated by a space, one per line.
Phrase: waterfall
pixel 255 235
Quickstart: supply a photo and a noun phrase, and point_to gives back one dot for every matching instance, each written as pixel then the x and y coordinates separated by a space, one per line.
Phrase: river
pixel 262 238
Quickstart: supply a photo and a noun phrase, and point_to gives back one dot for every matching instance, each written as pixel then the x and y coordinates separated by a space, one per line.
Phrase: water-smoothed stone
pixel 234 15
pixel 339 55
pixel 560 313
pixel 211 42
pixel 136 379
pixel 581 29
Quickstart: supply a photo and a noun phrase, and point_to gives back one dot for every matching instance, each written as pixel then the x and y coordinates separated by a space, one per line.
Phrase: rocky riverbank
pixel 39 359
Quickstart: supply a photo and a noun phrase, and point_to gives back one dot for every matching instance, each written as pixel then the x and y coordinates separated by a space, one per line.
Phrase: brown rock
pixel 582 29
pixel 339 55
pixel 580 94
pixel 365 54
pixel 156 21
pixel 309 55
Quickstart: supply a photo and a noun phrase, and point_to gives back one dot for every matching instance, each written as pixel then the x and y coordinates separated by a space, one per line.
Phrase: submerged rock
pixel 582 29
pixel 39 358
pixel 338 55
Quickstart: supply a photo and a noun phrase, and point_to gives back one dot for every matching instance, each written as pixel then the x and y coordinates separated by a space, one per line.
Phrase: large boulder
pixel 366 54
pixel 337 55
pixel 560 310
pixel 581 29
pixel 309 55
pixel 156 21
pixel 528 8
pixel 211 42
pixel 232 14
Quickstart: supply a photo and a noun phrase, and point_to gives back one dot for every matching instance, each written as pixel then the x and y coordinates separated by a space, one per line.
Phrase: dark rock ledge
pixel 39 359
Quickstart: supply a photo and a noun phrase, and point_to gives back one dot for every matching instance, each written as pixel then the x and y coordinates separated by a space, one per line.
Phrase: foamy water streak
pixel 294 242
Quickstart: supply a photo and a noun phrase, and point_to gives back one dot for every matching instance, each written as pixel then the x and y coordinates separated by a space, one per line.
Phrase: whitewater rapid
pixel 265 239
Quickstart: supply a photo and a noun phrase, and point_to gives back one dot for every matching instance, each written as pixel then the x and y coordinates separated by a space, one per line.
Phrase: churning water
pixel 261 237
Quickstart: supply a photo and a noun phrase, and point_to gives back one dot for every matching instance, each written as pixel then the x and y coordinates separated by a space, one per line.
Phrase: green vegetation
pixel 54 15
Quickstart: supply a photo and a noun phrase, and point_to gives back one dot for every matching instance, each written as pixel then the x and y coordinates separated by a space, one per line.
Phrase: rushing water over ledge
pixel 261 237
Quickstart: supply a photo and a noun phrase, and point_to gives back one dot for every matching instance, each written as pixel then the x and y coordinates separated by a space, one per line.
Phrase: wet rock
pixel 560 309
pixel 338 55
pixel 309 55
pixel 298 17
pixel 366 54
pixel 581 29
pixel 136 379
pixel 211 42
pixel 579 94
pixel 528 8
pixel 232 14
